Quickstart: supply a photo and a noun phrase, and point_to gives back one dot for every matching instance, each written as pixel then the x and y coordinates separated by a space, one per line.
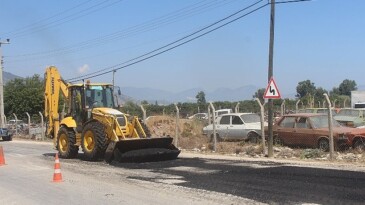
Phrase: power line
pixel 290 1
pixel 169 18
pixel 176 41
pixel 17 30
pixel 171 48
pixel 66 19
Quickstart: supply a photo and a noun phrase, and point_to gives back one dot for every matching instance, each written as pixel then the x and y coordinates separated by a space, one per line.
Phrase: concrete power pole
pixel 270 72
pixel 2 115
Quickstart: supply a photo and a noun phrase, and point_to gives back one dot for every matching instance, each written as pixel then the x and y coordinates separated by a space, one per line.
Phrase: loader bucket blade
pixel 146 150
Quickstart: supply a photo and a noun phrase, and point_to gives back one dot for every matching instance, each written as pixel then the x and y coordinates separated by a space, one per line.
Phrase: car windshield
pixel 347 112
pixel 322 122
pixel 250 118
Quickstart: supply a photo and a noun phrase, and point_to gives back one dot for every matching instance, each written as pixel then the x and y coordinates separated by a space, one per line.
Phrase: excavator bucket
pixel 145 150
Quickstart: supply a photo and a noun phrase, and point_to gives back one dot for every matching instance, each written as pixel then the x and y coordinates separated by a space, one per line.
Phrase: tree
pixel 260 94
pixel 305 88
pixel 335 91
pixel 24 95
pixel 200 98
pixel 346 87
pixel 318 95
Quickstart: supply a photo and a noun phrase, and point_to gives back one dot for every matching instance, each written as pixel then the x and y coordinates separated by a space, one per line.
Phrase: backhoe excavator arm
pixel 53 84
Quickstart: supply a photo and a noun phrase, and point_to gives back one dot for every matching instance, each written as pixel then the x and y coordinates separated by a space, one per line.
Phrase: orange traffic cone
pixel 2 159
pixel 57 176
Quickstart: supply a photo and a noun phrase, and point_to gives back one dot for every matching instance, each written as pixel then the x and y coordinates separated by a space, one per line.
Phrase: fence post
pixel 334 103
pixel 177 126
pixel 296 106
pixel 214 130
pixel 344 103
pixel 144 114
pixel 330 126
pixel 262 111
pixel 42 126
pixel 282 106
pixel 16 124
pixel 28 122
pixel 237 108
pixel 209 120
pixel 5 121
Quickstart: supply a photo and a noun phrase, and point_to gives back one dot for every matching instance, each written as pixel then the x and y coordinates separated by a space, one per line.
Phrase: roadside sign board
pixel 272 91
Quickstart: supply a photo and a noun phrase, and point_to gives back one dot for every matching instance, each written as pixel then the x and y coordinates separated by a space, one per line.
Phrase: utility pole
pixel 113 77
pixel 270 72
pixel 2 115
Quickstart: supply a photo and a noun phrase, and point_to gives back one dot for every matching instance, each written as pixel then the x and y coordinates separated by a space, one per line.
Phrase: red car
pixel 311 130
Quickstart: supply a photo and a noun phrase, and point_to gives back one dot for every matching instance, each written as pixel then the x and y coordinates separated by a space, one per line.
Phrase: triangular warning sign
pixel 272 91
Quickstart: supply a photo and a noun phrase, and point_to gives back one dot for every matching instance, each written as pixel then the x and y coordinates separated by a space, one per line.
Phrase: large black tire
pixel 359 145
pixel 278 141
pixel 66 140
pixel 324 145
pixel 253 138
pixel 94 141
pixel 7 138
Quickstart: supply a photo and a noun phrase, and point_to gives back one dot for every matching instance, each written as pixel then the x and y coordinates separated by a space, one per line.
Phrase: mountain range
pixel 8 77
pixel 161 96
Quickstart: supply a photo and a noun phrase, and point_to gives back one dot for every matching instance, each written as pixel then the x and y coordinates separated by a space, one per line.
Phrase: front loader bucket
pixel 145 150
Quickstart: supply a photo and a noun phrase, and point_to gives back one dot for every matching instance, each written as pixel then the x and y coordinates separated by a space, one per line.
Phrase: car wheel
pixel 359 145
pixel 253 137
pixel 324 145
pixel 7 138
pixel 278 141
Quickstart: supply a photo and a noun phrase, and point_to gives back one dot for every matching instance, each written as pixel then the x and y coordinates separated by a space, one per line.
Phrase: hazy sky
pixel 320 40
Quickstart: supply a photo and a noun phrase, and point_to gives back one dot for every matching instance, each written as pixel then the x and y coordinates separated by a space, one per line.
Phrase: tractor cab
pixel 86 97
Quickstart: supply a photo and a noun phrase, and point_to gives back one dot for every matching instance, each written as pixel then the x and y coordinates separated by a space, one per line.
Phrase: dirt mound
pixel 190 130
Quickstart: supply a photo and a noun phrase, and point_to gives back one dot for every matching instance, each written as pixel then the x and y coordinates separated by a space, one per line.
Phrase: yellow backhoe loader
pixel 93 123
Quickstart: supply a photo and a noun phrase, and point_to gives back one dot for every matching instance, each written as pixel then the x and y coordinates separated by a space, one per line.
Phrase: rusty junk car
pixel 311 130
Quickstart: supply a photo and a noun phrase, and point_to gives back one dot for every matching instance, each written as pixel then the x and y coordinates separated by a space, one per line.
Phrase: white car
pixel 236 126
pixel 200 116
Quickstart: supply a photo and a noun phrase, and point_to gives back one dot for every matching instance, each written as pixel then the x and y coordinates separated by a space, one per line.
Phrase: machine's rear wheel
pixel 66 140
pixel 94 141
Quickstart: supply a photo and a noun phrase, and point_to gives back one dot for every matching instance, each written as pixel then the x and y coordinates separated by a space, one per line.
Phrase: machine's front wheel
pixel 94 141
pixel 66 140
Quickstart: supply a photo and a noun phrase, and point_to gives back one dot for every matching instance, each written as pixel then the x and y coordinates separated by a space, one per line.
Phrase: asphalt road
pixel 192 179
